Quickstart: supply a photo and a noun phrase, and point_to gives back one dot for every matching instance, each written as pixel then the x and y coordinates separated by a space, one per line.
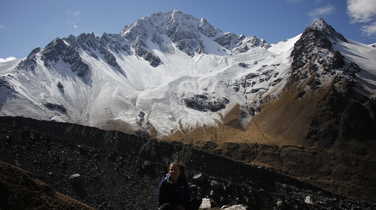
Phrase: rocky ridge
pixel 111 170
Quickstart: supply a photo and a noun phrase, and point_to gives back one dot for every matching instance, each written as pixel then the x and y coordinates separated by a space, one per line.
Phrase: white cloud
pixel 73 13
pixel 361 10
pixel 73 18
pixel 2 60
pixel 76 13
pixel 322 11
pixel 370 29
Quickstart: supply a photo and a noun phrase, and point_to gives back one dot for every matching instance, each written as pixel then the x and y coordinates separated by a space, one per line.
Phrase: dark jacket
pixel 174 193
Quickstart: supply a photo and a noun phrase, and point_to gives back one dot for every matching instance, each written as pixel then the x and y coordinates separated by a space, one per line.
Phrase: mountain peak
pixel 189 34
pixel 319 24
pixel 185 31
pixel 322 26
pixel 170 22
pixel 172 15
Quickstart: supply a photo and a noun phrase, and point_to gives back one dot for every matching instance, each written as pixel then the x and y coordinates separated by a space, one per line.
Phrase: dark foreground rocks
pixel 19 190
pixel 112 170
pixel 349 172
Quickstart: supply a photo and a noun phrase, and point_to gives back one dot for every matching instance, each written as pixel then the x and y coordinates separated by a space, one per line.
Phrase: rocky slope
pixel 19 190
pixel 112 170
pixel 350 173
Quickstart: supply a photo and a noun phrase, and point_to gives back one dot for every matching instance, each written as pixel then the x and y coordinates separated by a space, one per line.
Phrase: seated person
pixel 174 193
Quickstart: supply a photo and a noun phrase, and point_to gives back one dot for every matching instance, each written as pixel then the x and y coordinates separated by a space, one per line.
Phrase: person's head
pixel 176 171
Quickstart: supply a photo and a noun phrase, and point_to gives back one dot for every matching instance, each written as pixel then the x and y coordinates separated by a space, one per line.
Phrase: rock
pixel 197 176
pixel 205 203
pixel 205 103
pixel 308 200
pixel 235 207
pixel 279 203
pixel 61 87
pixel 74 176
pixel 56 107
pixel 244 65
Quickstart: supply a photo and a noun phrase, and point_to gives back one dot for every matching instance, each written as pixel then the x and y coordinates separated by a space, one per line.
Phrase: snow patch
pixel 3 60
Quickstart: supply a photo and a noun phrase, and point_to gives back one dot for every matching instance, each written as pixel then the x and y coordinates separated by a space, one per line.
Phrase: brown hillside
pixel 283 121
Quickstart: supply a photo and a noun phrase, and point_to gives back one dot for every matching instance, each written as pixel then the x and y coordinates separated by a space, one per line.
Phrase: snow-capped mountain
pixel 170 74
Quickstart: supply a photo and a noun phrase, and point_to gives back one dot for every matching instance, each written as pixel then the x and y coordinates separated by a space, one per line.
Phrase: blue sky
pixel 27 24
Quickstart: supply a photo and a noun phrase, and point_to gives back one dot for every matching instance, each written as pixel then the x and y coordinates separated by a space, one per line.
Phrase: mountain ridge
pixel 171 72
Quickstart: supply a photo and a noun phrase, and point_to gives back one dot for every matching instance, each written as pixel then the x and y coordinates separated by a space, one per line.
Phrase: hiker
pixel 174 192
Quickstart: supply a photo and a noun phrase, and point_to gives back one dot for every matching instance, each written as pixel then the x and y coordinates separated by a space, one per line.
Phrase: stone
pixel 308 200
pixel 74 176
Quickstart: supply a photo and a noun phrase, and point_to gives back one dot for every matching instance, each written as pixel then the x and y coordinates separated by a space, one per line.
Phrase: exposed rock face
pixel 240 44
pixel 321 25
pixel 119 171
pixel 6 91
pixel 205 103
pixel 228 40
pixel 30 62
pixel 346 112
pixel 115 42
pixel 19 189
pixel 61 50
pixel 56 107
pixel 68 51
pixel 141 50
pixel 100 48
pixel 61 87
pixel 315 58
